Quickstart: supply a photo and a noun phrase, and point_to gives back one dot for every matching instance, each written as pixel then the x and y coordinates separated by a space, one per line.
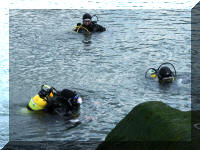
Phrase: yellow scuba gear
pixel 169 79
pixel 153 75
pixel 163 73
pixel 37 102
pixel 79 27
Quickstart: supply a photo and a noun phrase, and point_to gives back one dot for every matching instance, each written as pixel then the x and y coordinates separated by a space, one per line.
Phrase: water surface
pixel 107 69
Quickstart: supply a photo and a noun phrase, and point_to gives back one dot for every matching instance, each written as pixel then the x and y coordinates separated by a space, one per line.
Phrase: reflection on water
pixel 107 69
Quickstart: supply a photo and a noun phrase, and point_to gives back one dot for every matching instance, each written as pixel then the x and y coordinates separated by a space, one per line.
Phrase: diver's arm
pixel 77 27
pixel 51 104
pixel 50 101
pixel 99 28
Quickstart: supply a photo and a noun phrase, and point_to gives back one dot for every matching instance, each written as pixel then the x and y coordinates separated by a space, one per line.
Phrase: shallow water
pixel 107 69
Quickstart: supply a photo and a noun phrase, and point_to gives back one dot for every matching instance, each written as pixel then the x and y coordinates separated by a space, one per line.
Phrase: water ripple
pixel 107 69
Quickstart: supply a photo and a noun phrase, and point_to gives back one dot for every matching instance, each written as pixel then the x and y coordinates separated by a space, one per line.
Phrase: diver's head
pixel 72 95
pixel 165 74
pixel 87 19
pixel 67 93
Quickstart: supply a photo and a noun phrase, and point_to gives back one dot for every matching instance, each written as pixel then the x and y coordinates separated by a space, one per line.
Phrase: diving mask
pixel 78 99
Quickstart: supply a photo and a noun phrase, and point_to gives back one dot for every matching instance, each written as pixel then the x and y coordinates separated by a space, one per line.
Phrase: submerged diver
pixel 64 102
pixel 164 73
pixel 89 26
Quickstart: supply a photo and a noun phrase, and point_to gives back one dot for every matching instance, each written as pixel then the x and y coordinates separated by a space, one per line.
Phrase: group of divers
pixel 68 101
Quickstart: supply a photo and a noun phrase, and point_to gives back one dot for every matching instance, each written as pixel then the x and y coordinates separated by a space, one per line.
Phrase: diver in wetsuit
pixel 89 26
pixel 48 99
pixel 163 73
pixel 65 102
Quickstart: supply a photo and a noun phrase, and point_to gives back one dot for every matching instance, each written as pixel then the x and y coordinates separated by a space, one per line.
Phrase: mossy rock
pixel 153 121
pixel 153 125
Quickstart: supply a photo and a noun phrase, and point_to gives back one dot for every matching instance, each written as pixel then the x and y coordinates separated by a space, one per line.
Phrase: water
pixel 4 90
pixel 107 69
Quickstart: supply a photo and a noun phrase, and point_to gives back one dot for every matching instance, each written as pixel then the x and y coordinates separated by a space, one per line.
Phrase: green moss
pixel 153 121
pixel 155 126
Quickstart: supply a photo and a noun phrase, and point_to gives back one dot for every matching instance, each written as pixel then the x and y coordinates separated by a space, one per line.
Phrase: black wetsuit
pixel 93 27
pixel 164 72
pixel 165 75
pixel 63 103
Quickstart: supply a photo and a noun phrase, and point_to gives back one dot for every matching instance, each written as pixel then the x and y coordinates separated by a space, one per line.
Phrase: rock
pixel 153 125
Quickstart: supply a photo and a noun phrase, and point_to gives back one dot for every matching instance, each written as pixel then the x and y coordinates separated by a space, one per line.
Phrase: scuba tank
pixel 163 73
pixel 39 101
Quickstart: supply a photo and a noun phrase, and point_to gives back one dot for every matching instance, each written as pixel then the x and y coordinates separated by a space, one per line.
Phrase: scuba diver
pixel 164 73
pixel 50 100
pixel 89 26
